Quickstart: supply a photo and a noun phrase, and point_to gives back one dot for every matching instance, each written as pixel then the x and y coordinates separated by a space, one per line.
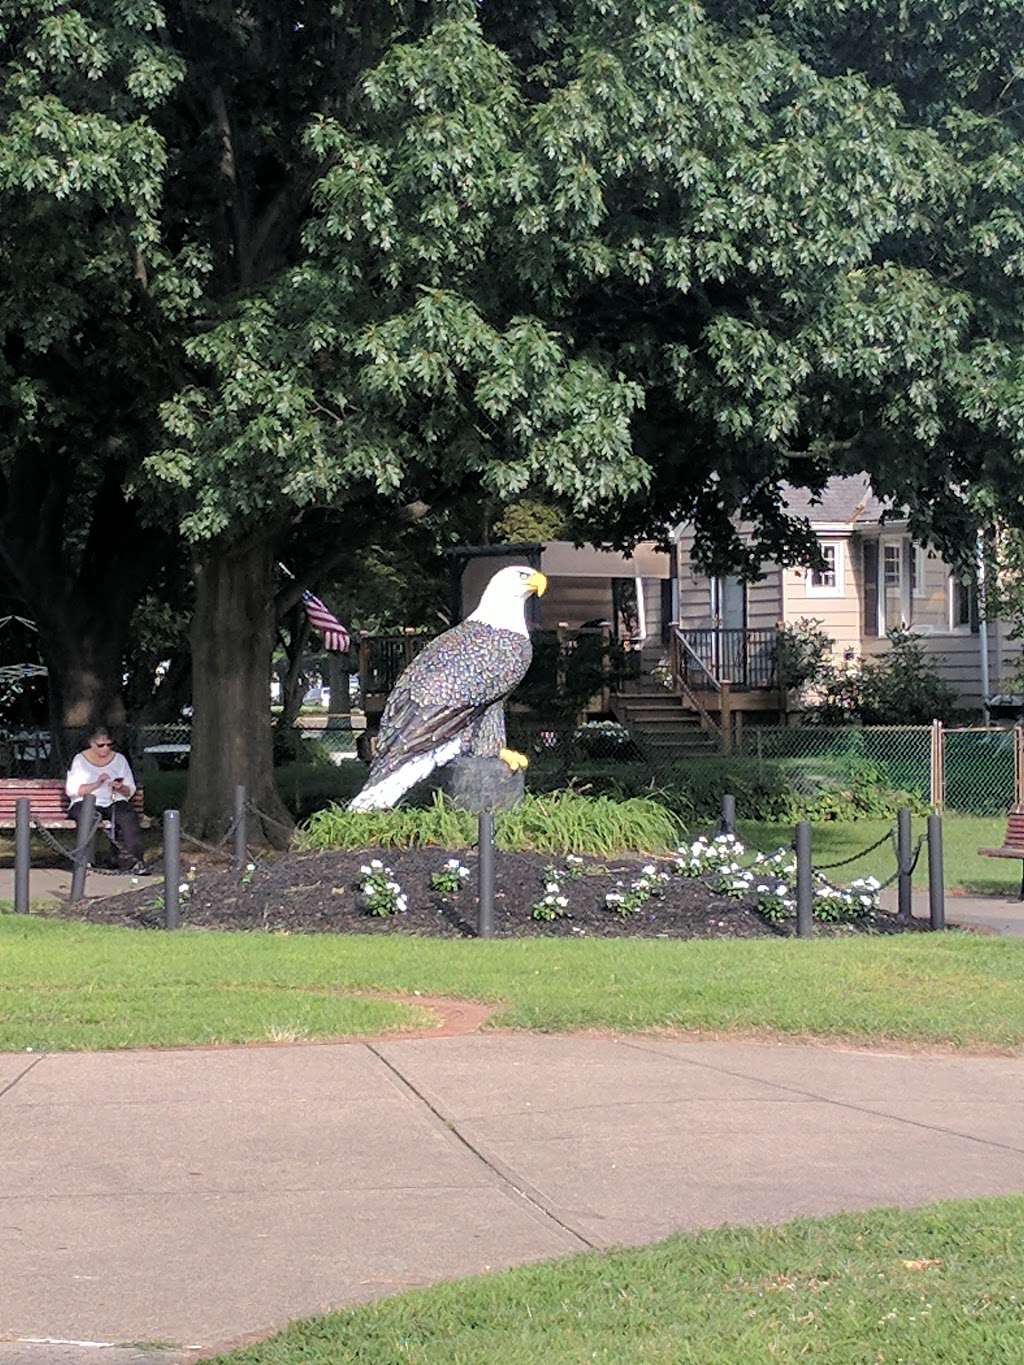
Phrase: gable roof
pixel 845 499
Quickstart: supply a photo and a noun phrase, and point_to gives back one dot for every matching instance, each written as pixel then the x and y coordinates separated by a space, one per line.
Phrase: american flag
pixel 328 627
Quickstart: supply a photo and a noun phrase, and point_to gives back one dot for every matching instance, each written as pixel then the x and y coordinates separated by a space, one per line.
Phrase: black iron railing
pixel 383 657
pixel 746 658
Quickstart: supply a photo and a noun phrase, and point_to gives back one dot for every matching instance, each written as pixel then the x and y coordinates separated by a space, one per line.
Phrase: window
pixel 963 606
pixel 828 580
pixel 893 562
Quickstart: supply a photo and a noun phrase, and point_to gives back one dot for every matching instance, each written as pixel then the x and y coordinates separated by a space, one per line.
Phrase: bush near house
pixel 899 687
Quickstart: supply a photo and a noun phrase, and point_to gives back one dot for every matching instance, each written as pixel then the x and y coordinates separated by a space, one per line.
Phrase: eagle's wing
pixel 441 697
pixel 447 688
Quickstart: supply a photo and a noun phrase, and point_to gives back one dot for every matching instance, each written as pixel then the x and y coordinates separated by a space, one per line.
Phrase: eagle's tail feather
pixel 384 794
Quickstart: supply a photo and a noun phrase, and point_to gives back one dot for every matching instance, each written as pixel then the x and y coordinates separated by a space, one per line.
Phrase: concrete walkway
pixel 54 883
pixel 1002 915
pixel 196 1196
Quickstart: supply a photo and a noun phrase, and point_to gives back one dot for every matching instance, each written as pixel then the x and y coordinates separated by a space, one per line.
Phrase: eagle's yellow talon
pixel 514 759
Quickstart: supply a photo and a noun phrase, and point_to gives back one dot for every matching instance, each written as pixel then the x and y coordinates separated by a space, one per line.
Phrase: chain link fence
pixel 969 770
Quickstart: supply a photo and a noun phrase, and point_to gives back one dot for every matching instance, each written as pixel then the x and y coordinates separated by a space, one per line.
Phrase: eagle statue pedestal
pixel 478 784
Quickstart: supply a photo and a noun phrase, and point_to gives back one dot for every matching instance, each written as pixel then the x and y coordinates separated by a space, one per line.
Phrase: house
pixel 874 578
pixel 714 640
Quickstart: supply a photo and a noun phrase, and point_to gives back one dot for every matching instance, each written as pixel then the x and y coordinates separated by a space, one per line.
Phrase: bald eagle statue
pixel 451 698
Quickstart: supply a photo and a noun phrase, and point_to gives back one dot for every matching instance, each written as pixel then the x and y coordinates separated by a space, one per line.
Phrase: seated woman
pixel 101 772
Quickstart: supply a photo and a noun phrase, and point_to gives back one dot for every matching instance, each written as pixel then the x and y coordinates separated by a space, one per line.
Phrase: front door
pixel 729 608
pixel 729 603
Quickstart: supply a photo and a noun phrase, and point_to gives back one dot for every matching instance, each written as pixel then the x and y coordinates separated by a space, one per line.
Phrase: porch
pixel 689 694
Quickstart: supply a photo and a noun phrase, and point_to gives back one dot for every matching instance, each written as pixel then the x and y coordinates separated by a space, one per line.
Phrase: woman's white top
pixel 82 771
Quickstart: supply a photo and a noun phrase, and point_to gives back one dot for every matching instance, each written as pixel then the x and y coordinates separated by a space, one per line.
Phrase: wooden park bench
pixel 1013 842
pixel 48 803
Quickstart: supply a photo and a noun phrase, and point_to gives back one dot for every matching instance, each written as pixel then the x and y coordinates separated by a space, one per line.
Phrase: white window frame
pixel 838 588
pixel 888 545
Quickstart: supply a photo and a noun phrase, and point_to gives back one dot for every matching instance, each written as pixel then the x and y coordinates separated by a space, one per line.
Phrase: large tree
pixel 81 366
pixel 649 259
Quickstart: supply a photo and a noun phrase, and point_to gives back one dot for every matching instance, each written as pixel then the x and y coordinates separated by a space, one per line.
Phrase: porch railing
pixel 383 657
pixel 746 658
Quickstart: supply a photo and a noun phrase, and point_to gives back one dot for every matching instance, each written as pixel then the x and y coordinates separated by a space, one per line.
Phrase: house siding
pixel 764 597
pixel 839 615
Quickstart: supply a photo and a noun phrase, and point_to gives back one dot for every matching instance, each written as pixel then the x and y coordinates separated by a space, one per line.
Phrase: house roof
pixel 846 498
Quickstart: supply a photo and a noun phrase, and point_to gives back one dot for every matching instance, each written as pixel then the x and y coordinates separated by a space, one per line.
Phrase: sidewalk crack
pixel 21 1074
pixel 827 1099
pixel 504 1175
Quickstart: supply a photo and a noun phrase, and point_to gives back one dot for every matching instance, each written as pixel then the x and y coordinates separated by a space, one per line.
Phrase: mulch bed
pixel 319 893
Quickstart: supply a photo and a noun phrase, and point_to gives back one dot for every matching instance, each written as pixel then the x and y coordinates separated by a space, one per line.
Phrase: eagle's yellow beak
pixel 538 582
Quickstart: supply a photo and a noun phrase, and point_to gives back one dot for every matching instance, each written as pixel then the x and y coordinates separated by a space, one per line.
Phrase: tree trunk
pixel 84 665
pixel 295 681
pixel 339 716
pixel 231 725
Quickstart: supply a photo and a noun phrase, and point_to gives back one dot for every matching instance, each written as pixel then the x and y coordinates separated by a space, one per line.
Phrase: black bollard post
pixel 241 833
pixel 904 897
pixel 804 880
pixel 22 853
pixel 485 873
pixel 83 847
pixel 728 814
pixel 172 869
pixel 936 882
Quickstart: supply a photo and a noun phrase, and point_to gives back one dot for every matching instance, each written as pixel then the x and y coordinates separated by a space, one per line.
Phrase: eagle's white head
pixel 503 604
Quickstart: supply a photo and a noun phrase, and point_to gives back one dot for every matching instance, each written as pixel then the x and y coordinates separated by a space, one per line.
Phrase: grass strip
pixel 74 985
pixel 940 1283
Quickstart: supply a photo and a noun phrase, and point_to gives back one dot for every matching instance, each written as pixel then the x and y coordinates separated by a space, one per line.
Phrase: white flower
pixel 365 870
pixel 393 886
pixel 401 902
pixel 551 888
pixel 650 869
pixel 561 900
pixel 376 862
pixel 250 867
pixel 184 889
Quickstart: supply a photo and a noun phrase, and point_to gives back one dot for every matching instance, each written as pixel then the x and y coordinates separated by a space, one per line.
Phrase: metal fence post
pixel 485 872
pixel 83 846
pixel 903 836
pixel 804 880
pixel 172 869
pixel 937 794
pixel 241 833
pixel 22 853
pixel 936 885
pixel 728 814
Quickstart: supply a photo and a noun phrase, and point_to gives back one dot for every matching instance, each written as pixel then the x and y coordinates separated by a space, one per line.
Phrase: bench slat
pixel 48 802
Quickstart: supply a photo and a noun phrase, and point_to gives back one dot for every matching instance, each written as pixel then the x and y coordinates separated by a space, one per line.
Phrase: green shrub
pixel 557 822
pixel 899 687
pixel 813 788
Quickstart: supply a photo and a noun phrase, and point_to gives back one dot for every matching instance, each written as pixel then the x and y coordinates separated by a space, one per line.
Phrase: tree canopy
pixel 646 261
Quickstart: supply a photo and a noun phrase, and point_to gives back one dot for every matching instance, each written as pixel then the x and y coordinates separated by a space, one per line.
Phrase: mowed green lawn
pixel 962 836
pixel 72 985
pixel 938 1284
